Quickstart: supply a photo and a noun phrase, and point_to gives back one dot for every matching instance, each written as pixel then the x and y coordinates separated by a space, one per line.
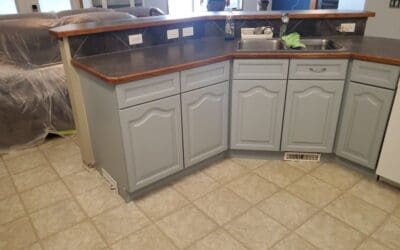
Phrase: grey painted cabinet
pixel 257 114
pixel 365 114
pixel 205 122
pixel 152 139
pixel 204 76
pixel 328 69
pixel 375 74
pixel 260 68
pixel 311 114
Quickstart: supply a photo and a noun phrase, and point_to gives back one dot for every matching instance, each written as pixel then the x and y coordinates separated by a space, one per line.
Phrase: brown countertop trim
pixel 99 27
pixel 151 73
pixel 233 55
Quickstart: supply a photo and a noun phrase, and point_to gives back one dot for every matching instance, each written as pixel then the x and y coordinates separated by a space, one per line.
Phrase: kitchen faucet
pixel 285 21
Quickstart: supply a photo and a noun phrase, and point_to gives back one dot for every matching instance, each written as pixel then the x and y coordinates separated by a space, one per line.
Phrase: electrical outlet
pixel 135 39
pixel 172 34
pixel 347 27
pixel 187 31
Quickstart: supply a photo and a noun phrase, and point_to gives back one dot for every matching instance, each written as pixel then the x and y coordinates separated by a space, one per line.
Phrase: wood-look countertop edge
pixel 234 55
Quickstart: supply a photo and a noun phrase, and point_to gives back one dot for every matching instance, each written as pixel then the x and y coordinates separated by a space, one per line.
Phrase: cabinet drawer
pixel 146 90
pixel 204 76
pixel 376 74
pixel 318 69
pixel 260 69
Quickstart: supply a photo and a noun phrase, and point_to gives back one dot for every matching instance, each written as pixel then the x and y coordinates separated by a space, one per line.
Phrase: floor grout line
pixel 79 205
pixel 220 185
pixel 25 211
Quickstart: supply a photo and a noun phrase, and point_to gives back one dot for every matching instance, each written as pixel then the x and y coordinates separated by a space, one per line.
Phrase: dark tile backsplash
pixel 118 40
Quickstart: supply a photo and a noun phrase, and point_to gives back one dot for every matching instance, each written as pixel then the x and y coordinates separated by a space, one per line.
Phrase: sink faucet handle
pixel 285 17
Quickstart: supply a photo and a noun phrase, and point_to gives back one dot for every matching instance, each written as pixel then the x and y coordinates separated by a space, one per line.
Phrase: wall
pixel 386 22
pixel 352 5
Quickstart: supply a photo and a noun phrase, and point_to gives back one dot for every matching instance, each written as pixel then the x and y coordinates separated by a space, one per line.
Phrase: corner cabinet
pixel 365 115
pixel 311 114
pixel 152 139
pixel 205 122
pixel 257 114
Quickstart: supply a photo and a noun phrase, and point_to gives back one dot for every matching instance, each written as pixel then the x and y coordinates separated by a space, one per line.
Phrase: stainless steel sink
pixel 277 44
pixel 260 45
pixel 320 44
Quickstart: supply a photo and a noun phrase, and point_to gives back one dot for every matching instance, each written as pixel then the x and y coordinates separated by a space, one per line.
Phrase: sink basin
pixel 260 45
pixel 277 44
pixel 320 44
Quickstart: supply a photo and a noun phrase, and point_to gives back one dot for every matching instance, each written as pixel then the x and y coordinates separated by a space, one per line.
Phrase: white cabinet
pixel 152 139
pixel 257 114
pixel 205 122
pixel 388 165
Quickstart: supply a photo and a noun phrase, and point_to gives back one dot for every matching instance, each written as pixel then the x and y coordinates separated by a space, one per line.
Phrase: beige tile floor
pixel 49 200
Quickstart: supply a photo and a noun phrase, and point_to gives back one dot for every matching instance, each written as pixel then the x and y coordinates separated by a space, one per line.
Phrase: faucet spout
pixel 285 21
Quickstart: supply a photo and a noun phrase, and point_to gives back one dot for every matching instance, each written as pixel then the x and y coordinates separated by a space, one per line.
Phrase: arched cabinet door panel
pixel 311 115
pixel 152 138
pixel 205 122
pixel 365 114
pixel 257 114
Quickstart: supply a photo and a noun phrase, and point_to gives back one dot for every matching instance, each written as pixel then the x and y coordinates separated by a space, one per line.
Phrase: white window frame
pixel 70 2
pixel 16 7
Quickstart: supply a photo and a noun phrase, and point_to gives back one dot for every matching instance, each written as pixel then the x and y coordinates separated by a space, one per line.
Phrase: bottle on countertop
pixel 229 26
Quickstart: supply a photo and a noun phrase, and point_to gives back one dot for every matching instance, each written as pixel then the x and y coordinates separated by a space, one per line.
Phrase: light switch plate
pixel 135 39
pixel 347 27
pixel 187 31
pixel 173 34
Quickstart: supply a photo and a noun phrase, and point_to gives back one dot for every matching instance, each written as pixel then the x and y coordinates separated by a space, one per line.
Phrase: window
pixel 8 7
pixel 52 5
pixel 179 7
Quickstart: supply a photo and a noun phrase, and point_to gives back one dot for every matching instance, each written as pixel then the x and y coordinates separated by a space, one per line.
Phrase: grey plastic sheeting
pixel 34 98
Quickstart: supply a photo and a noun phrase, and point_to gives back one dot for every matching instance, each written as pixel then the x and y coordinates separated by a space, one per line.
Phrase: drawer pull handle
pixel 321 70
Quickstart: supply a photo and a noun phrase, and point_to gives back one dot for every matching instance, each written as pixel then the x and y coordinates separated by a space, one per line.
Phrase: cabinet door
pixel 205 122
pixel 365 114
pixel 257 114
pixel 152 137
pixel 311 114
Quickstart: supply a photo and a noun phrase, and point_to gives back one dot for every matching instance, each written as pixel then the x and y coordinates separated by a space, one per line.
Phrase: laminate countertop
pixel 130 65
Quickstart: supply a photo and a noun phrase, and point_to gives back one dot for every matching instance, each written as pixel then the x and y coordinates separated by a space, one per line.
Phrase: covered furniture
pixel 34 98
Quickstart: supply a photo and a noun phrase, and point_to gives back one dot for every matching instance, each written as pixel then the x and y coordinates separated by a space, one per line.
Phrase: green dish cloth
pixel 293 40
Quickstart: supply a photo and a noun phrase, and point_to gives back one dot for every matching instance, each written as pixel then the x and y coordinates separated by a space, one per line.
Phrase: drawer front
pixel 259 69
pixel 204 76
pixel 333 69
pixel 146 90
pixel 376 74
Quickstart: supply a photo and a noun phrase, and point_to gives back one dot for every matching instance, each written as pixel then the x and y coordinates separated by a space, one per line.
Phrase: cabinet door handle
pixel 320 70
